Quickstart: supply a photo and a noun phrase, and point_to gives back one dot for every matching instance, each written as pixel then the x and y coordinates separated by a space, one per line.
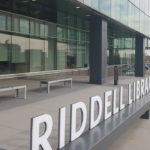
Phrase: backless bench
pixel 49 82
pixel 16 88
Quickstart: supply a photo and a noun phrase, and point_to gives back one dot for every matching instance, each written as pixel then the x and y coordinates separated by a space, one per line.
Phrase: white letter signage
pixel 74 107
pixel 42 140
pixel 107 104
pixel 98 100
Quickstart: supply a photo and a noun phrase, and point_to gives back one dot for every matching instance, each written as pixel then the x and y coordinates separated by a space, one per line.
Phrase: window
pixel 32 28
pixel 2 22
pixel 20 54
pixel 131 19
pixel 115 9
pixel 95 4
pixel 16 26
pixel 104 6
pixel 42 30
pixel 24 26
pixel 8 23
pixel 124 11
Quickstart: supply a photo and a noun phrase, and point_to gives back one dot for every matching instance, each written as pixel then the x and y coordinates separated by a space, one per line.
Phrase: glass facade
pixel 133 13
pixel 43 35
pixel 32 45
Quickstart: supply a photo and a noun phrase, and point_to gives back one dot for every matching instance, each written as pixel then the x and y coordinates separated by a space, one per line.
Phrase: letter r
pixel 36 139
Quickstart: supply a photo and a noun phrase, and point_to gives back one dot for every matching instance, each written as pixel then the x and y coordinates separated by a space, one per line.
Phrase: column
pixel 139 56
pixel 98 50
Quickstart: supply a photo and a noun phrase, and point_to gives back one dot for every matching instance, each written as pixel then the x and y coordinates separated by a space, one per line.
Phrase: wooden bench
pixel 16 88
pixel 49 82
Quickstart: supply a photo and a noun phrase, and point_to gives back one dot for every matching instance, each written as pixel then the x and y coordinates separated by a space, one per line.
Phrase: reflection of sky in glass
pixel 105 6
pixel 125 11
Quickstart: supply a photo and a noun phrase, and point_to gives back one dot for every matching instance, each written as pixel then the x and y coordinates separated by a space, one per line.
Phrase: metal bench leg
pixel 40 87
pixel 17 93
pixel 64 83
pixel 25 93
pixel 71 84
pixel 48 88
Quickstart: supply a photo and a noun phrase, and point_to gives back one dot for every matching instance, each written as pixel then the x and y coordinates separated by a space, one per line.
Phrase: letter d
pixel 75 134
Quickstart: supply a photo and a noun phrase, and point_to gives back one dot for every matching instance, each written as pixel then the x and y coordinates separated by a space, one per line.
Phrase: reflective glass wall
pixel 133 13
pixel 72 42
pixel 121 49
pixel 32 45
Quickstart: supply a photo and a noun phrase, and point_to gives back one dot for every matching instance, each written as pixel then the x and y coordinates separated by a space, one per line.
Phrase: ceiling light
pixel 88 15
pixel 77 7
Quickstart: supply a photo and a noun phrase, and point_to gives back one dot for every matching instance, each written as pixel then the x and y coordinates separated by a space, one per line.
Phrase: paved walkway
pixel 15 114
pixel 136 138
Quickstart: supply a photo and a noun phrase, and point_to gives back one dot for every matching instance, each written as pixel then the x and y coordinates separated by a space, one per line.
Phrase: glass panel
pixel 32 28
pixel 146 32
pixel 5 42
pixel 146 6
pixel 81 52
pixel 115 9
pixel 72 34
pixel 62 50
pixel 46 31
pixel 87 2
pixel 16 24
pixel 8 23
pixel 20 6
pixel 2 22
pixel 131 22
pixel 124 11
pixel 50 58
pixel 121 50
pixel 79 23
pixel 62 18
pixel 62 33
pixel 149 9
pixel 137 3
pixel 37 29
pixel 20 54
pixel 72 55
pixel 42 30
pixel 36 54
pixel 24 26
pixel 105 6
pixel 142 5
pixel 72 21
pixel 137 18
pixel 94 4
pixel 142 22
